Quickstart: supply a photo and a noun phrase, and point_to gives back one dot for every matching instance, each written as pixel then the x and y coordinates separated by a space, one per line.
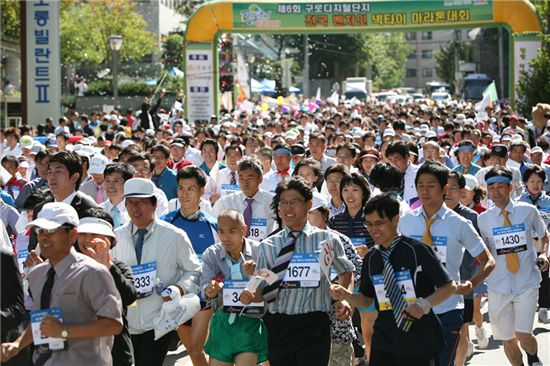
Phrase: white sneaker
pixel 470 351
pixel 544 317
pixel 481 335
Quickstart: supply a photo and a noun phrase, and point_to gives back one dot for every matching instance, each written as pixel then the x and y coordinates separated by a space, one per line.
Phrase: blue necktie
pixel 235 275
pixel 139 243
pixel 116 216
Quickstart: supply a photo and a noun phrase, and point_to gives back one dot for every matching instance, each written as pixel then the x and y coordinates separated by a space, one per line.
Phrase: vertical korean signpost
pixel 200 81
pixel 43 60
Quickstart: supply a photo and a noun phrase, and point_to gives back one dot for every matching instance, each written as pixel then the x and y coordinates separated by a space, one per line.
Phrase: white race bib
pixel 404 282
pixel 230 188
pixel 357 242
pixel 510 239
pixel 232 292
pixel 258 229
pixel 21 258
pixel 46 343
pixel 303 271
pixel 144 278
pixel 440 246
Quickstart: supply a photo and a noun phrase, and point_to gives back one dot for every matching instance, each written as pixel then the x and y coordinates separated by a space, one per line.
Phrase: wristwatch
pixel 65 332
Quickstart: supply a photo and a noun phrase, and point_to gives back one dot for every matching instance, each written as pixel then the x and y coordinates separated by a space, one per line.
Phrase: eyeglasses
pixel 42 231
pixel 291 203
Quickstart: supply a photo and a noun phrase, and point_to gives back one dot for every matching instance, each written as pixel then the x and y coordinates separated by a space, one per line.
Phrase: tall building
pixel 421 63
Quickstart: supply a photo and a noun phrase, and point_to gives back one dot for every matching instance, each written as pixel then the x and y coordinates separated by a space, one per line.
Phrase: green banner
pixel 360 15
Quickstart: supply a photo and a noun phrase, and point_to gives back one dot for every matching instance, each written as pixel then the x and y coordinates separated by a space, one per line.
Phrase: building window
pixel 410 36
pixel 412 55
pixel 426 35
pixel 427 73
pixel 458 35
pixel 427 54
pixel 411 73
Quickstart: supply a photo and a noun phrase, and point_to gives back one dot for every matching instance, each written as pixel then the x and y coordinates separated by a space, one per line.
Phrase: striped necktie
pixel 393 291
pixel 280 265
pixel 233 180
pixel 512 261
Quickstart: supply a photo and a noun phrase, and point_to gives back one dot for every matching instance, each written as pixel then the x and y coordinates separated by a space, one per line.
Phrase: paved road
pixel 493 355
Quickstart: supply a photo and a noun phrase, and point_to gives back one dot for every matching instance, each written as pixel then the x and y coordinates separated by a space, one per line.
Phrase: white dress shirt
pixel 528 276
pixel 409 193
pixel 451 235
pixel 261 208
pixel 177 264
pixel 162 202
pixel 123 213
pixel 218 183
pixel 271 179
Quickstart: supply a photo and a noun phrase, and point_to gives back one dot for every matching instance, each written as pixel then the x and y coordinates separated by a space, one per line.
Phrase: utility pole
pixel 305 87
pixel 501 63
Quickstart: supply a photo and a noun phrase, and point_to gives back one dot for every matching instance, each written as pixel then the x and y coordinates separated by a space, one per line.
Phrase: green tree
pixel 172 50
pixel 188 7
pixel 10 19
pixel 445 60
pixel 387 54
pixel 86 27
pixel 533 87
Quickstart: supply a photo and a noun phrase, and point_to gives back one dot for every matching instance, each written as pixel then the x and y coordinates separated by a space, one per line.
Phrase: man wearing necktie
pixel 160 255
pixel 406 280
pixel 298 302
pixel 115 177
pixel 448 234
pixel 81 289
pixel 509 228
pixel 95 187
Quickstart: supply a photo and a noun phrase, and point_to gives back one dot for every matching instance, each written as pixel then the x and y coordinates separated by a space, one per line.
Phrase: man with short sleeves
pixel 508 230
pixel 159 255
pixel 299 301
pixel 254 203
pixel 75 287
pixel 448 234
pixel 406 332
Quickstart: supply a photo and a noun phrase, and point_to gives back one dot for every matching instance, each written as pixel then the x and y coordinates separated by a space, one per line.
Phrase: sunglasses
pixel 41 231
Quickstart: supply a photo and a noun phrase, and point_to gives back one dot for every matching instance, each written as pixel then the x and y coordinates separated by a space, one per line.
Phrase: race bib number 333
pixel 144 278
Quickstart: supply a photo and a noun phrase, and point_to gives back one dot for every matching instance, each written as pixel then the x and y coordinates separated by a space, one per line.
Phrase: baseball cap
pixel 139 187
pixel 55 214
pixel 430 134
pixel 97 164
pixel 178 142
pixel 26 142
pixel 94 225
pixel 298 149
pixel 388 132
pixel 536 150
pixel 499 150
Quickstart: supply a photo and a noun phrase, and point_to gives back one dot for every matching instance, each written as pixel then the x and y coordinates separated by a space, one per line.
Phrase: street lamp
pixel 115 43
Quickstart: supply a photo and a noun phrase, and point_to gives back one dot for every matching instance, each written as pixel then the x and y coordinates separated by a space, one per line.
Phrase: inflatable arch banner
pixel 519 17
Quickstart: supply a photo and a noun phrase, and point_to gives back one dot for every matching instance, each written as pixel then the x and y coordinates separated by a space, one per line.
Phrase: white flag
pixel 318 95
pixel 334 99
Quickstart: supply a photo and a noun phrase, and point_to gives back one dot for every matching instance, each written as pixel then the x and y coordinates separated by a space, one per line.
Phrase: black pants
pixel 381 358
pixel 147 351
pixel 544 290
pixel 300 340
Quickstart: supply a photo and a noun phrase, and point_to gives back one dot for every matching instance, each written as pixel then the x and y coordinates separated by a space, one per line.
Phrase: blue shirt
pixel 451 234
pixel 472 169
pixel 167 182
pixel 201 232
pixel 7 198
pixel 206 169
